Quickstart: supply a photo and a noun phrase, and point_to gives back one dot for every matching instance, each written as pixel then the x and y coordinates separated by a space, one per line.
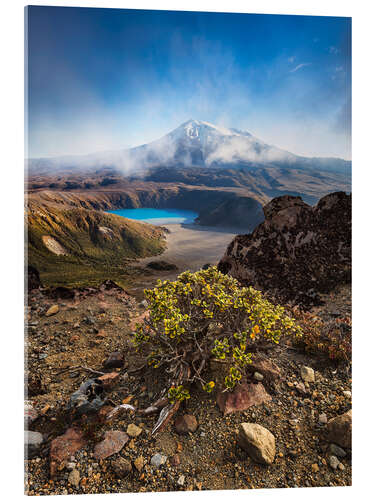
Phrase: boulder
pixel 258 442
pixel 339 430
pixel 243 396
pixel 185 424
pixel 112 443
pixel 298 252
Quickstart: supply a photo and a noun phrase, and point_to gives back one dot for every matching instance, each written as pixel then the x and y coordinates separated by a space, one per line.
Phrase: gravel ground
pixel 86 330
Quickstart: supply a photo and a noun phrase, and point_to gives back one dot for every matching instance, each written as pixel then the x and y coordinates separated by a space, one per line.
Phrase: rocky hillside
pixel 75 246
pixel 298 252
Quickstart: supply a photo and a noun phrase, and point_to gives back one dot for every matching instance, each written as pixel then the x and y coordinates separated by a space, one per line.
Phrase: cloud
pixel 299 66
pixel 291 59
pixel 333 50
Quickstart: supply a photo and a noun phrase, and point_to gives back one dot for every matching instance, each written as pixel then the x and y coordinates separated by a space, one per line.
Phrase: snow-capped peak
pixel 197 128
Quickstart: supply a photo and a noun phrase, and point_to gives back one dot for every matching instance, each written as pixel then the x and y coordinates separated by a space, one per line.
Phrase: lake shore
pixel 190 246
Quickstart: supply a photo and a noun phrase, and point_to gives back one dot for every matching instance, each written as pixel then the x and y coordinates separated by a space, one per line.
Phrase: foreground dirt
pixel 88 328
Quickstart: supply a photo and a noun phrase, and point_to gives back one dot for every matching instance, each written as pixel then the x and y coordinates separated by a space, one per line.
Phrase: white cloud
pixel 299 66
pixel 291 59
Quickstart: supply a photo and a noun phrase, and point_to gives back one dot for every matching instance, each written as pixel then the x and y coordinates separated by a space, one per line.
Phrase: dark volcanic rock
pixel 298 252
pixel 161 265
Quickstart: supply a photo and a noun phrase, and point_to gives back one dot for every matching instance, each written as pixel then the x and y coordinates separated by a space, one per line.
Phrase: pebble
pixel 323 418
pixel 133 430
pixel 258 376
pixel 347 394
pixel 74 478
pixel 333 462
pixel 181 480
pixel 138 463
pixel 52 310
pixel 307 374
pixel 158 460
pixel 315 467
pixel 121 467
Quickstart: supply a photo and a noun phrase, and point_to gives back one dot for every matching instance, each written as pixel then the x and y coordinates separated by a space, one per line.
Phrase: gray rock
pixel 158 460
pixel 336 450
pixel 333 462
pixel 74 478
pixel 33 442
pixel 258 376
pixel 347 394
pixel 258 442
pixel 307 374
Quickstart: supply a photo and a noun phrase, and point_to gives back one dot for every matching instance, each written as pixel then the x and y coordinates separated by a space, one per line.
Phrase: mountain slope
pixel 77 246
pixel 196 144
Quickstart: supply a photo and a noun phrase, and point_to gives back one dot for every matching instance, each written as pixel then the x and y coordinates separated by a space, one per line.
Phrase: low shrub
pixel 206 315
pixel 331 338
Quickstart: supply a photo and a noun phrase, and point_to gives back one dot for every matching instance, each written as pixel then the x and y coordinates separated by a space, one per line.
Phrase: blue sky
pixel 101 79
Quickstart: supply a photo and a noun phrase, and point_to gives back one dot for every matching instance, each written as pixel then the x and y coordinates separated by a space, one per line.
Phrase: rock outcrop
pixel 298 252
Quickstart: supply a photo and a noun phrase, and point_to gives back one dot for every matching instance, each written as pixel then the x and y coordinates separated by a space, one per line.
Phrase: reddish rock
pixel 63 447
pixel 109 379
pixel 185 424
pixel 114 360
pixel 340 430
pixel 243 396
pixel 112 443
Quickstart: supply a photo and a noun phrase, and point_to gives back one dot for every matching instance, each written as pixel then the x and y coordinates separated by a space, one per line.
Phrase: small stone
pixel 258 442
pixel 52 310
pixel 333 462
pixel 336 450
pixel 323 418
pixel 71 465
pixel 315 467
pixel 307 374
pixel 341 466
pixel 258 376
pixel 144 303
pixel 158 460
pixel 347 394
pixel 181 480
pixel 185 424
pixel 33 442
pixel 176 460
pixel 133 430
pixel 138 463
pixel 74 478
pixel 300 387
pixel 121 467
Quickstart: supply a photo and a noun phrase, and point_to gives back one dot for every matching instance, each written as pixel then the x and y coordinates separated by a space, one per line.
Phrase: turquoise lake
pixel 157 216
